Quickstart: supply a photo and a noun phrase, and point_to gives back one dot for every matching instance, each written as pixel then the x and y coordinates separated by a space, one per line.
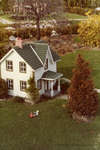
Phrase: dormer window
pixel 46 64
pixel 9 65
pixel 22 67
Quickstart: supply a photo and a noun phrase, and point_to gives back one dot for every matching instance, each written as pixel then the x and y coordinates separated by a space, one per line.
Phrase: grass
pixel 77 39
pixel 67 63
pixel 74 16
pixel 53 129
pixel 7 17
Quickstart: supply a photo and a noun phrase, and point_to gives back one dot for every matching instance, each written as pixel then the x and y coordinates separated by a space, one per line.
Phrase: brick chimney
pixel 19 42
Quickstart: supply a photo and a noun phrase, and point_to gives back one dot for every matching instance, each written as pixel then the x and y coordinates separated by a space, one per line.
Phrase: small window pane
pixel 22 67
pixel 22 85
pixel 10 84
pixel 9 65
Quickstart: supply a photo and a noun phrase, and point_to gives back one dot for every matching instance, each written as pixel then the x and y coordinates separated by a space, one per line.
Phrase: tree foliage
pixel 3 89
pixel 32 90
pixel 83 99
pixel 82 3
pixel 5 5
pixel 77 3
pixel 89 31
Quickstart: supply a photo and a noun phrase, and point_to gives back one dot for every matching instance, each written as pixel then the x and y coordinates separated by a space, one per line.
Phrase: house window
pixel 39 84
pixel 46 64
pixel 22 67
pixel 22 85
pixel 9 65
pixel 10 84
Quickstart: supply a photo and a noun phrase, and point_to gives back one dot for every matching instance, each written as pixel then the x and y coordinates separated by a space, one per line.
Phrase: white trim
pixel 52 79
pixel 36 54
pixel 41 43
pixel 47 79
pixel 50 54
pixel 45 61
pixel 6 55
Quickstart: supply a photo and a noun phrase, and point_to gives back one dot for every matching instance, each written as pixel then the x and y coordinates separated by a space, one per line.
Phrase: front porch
pixel 48 93
pixel 50 84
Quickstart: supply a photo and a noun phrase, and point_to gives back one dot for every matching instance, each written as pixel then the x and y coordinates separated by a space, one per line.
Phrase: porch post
pixel 59 85
pixel 52 92
pixel 49 85
pixel 43 86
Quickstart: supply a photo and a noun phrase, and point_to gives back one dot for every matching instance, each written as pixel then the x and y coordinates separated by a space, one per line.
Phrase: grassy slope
pixel 54 129
pixel 7 17
pixel 67 63
pixel 74 16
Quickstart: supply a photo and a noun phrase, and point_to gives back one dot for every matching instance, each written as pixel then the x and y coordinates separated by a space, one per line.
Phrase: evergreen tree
pixel 32 90
pixel 83 99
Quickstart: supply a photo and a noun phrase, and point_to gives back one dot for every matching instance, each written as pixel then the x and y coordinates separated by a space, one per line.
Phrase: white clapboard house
pixel 25 59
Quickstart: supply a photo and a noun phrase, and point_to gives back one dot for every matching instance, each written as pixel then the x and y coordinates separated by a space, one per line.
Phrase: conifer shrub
pixel 83 99
pixel 32 91
pixel 3 89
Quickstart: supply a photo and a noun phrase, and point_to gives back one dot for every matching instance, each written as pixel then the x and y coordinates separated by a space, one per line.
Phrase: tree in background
pixel 89 31
pixel 83 99
pixel 41 9
pixel 4 5
pixel 32 90
pixel 82 3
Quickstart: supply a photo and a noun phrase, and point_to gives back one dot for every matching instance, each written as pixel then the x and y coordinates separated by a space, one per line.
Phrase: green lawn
pixel 7 17
pixel 54 129
pixel 74 16
pixel 67 63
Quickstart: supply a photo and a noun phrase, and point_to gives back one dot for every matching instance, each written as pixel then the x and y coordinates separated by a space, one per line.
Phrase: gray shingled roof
pixel 29 56
pixel 41 50
pixel 54 55
pixel 51 75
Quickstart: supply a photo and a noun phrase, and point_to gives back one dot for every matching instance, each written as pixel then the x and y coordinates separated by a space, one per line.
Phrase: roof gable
pixel 41 50
pixel 29 56
pixel 34 54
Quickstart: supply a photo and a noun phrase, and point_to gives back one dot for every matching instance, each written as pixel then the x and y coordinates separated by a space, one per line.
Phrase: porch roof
pixel 50 75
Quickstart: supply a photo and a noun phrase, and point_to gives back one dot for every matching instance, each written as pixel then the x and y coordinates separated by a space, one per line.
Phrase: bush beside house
pixel 32 91
pixel 3 89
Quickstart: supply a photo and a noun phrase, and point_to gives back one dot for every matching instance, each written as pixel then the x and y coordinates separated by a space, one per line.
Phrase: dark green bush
pixel 64 86
pixel 77 10
pixel 3 89
pixel 71 29
pixel 18 99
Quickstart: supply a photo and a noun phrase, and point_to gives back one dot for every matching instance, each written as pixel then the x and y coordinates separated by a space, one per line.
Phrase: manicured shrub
pixel 78 10
pixel 3 89
pixel 83 99
pixel 18 99
pixel 3 51
pixel 64 86
pixel 32 91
